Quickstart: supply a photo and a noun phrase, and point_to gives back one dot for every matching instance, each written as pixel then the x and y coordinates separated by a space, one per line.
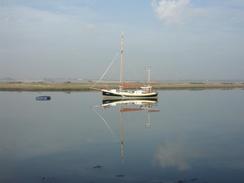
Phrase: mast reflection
pixel 128 106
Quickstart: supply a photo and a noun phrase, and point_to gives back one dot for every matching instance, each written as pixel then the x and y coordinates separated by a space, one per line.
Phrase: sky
pixel 178 39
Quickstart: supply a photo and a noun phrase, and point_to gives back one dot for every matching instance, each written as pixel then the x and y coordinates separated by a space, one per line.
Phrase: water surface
pixel 196 137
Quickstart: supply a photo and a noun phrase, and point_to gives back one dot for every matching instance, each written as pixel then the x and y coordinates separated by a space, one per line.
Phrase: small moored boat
pixel 43 98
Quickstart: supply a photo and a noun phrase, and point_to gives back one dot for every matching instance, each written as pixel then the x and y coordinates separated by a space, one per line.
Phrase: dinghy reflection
pixel 125 106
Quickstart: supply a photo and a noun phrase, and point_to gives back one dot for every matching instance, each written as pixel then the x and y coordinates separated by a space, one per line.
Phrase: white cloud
pixel 171 11
pixel 214 14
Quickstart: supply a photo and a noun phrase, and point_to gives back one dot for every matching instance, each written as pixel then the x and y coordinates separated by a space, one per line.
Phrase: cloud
pixel 23 25
pixel 214 15
pixel 171 11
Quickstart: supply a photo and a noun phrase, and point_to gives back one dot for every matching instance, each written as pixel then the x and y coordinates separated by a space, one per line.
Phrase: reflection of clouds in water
pixel 182 156
pixel 172 155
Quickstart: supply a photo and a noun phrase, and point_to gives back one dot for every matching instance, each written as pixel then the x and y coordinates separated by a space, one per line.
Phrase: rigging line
pixel 107 69
pixel 105 122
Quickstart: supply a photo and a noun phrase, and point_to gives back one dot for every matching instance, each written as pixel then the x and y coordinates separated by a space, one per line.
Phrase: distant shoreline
pixel 87 86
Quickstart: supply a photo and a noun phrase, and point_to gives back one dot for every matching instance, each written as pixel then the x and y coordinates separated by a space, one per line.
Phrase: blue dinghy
pixel 43 98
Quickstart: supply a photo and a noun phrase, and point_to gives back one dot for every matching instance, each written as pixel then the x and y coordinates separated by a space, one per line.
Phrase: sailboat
pixel 144 92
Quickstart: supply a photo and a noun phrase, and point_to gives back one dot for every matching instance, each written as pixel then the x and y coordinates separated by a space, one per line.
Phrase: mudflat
pixel 90 86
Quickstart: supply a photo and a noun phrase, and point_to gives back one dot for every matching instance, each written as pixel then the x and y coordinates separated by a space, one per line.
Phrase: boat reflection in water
pixel 142 105
pixel 146 105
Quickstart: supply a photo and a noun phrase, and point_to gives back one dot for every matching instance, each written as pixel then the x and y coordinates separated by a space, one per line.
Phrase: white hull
pixel 131 94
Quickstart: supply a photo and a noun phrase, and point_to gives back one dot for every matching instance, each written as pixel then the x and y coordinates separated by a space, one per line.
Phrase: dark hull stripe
pixel 111 94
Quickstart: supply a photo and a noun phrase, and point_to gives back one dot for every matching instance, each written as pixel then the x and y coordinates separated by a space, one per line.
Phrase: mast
pixel 148 75
pixel 148 88
pixel 121 60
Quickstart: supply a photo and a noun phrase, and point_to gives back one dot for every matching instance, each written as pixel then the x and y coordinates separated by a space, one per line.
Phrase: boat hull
pixel 127 95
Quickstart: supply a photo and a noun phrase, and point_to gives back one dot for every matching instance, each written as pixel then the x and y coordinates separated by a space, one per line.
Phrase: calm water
pixel 196 137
